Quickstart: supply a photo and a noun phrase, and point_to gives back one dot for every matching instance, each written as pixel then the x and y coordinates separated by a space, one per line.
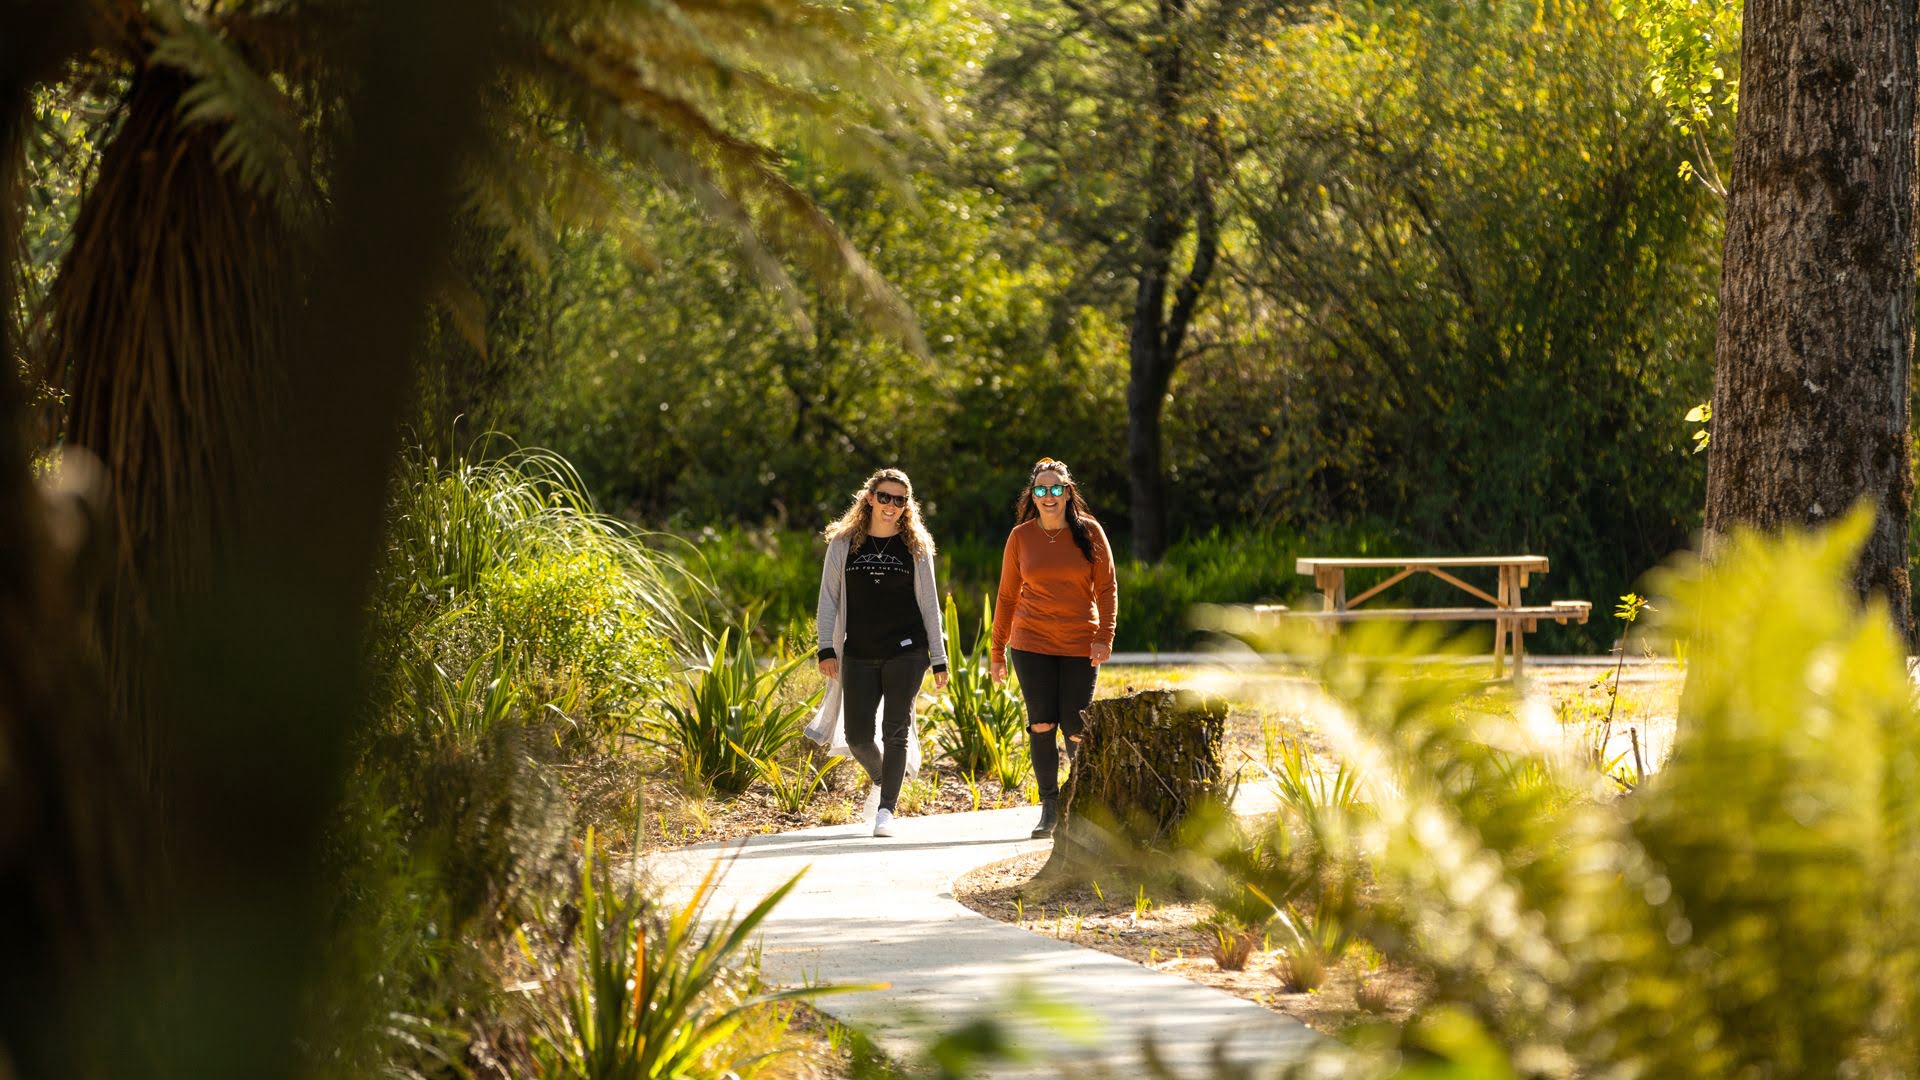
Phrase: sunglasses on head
pixel 1041 491
pixel 890 498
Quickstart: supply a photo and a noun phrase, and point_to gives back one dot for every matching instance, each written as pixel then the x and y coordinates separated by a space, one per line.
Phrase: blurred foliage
pixel 1752 908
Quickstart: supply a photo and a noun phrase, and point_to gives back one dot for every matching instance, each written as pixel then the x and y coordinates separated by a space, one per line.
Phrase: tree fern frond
pixel 745 173
pixel 645 145
pixel 259 136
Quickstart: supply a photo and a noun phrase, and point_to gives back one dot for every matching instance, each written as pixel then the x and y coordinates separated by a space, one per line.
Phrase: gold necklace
pixel 1053 535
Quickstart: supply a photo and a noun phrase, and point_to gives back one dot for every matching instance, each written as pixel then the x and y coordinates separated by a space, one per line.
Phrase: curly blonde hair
pixel 854 523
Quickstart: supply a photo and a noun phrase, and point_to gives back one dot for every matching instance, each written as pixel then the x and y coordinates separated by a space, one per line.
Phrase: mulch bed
pixel 1168 935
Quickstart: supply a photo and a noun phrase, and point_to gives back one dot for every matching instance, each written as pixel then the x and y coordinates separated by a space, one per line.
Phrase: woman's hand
pixel 997 671
pixel 830 668
pixel 939 681
pixel 1099 653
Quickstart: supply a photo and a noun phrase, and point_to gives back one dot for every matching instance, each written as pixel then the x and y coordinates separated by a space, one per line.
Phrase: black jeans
pixel 867 686
pixel 1057 689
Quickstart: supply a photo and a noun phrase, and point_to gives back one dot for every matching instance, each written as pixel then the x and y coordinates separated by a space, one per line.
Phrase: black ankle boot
pixel 1049 815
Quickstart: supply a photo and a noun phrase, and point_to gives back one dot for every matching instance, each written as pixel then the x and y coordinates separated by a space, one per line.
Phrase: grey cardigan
pixel 832 614
pixel 832 619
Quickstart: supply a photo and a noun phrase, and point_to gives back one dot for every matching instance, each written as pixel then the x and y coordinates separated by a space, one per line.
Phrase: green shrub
pixel 647 997
pixel 796 783
pixel 979 726
pixel 734 716
pixel 460 710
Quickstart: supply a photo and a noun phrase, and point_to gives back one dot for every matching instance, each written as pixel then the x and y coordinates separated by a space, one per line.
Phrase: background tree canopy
pixel 1463 298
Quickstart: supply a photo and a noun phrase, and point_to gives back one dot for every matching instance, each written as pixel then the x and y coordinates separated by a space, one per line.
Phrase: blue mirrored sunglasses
pixel 1041 491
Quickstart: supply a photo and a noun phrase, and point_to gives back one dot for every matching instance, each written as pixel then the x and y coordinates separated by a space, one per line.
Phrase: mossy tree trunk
pixel 1146 760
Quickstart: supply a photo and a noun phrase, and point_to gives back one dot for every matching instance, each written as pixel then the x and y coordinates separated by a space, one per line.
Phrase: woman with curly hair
pixel 879 626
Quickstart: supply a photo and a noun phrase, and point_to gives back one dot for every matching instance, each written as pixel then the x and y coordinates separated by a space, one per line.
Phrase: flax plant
pixel 733 715
pixel 979 726
pixel 651 995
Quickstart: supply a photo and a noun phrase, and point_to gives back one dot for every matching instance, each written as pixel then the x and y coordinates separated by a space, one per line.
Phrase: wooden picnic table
pixel 1512 618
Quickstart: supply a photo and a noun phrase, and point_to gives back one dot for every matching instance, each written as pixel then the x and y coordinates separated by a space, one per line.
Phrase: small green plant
pixel 795 785
pixel 980 726
pixel 734 716
pixel 459 710
pixel 1326 926
pixel 1318 797
pixel 973 789
pixel 1232 942
pixel 917 796
pixel 644 997
pixel 1302 969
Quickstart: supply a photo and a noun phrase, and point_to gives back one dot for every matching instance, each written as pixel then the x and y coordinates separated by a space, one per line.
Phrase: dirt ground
pixel 1166 933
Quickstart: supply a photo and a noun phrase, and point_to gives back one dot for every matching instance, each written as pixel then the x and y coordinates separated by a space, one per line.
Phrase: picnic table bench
pixel 1512 618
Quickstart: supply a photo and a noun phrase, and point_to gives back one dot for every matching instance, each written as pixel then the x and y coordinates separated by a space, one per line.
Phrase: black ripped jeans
pixel 872 686
pixel 1057 689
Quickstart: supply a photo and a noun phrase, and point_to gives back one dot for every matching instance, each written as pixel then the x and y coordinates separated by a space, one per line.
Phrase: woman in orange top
pixel 1055 612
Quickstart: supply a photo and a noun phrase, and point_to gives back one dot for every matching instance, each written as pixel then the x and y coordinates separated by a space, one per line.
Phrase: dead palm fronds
pixel 169 310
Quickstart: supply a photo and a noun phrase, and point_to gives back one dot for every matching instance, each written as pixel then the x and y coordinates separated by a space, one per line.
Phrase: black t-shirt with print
pixel 883 617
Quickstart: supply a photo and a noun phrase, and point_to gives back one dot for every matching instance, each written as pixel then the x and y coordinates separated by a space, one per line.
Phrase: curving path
pixel 882 910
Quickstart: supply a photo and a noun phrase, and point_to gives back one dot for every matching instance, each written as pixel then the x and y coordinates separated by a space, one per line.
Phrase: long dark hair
pixel 1079 518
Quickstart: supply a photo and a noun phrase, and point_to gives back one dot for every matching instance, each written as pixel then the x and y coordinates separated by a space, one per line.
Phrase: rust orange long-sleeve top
pixel 1052 600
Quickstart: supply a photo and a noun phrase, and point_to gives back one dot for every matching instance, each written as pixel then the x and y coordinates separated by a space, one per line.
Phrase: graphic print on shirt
pixel 877 564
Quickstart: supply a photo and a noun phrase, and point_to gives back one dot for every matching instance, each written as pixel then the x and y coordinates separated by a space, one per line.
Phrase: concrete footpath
pixel 882 910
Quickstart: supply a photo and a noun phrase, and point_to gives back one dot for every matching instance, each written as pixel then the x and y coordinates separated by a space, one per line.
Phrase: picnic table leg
pixel 1332 583
pixel 1503 629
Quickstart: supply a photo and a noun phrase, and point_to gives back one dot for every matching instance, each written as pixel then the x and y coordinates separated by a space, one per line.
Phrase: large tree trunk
pixel 1816 299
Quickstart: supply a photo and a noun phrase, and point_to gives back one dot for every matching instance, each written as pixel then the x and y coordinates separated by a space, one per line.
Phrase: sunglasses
pixel 1041 491
pixel 890 498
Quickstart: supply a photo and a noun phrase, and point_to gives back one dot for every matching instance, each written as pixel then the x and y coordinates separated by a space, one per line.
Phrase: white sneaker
pixel 873 803
pixel 883 823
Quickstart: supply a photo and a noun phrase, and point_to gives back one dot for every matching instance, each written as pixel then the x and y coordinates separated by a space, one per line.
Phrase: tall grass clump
pixel 508 554
pixel 979 726
pixel 1752 908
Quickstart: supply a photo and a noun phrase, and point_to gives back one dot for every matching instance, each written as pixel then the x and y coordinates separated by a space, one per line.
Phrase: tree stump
pixel 1146 760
